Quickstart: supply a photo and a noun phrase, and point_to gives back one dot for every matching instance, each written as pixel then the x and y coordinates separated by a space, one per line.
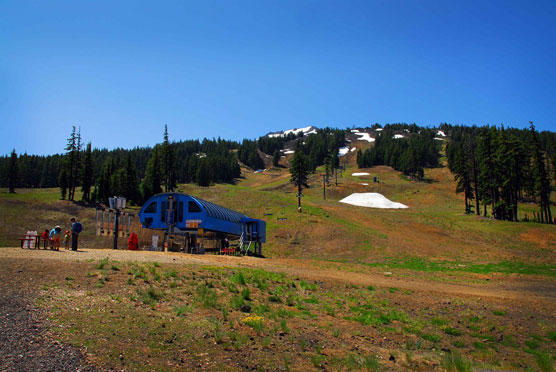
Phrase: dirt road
pixel 526 288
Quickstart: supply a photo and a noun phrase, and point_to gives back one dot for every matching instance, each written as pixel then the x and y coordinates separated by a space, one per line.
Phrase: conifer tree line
pixel 496 168
pixel 410 155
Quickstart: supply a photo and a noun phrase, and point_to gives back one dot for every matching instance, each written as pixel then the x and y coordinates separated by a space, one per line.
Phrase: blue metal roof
pixel 217 211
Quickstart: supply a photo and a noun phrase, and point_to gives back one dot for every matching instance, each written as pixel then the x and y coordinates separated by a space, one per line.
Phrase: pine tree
pixel 151 183
pixel 72 164
pixel 131 191
pixel 63 182
pixel 299 173
pixel 168 156
pixel 203 175
pixel 13 173
pixel 87 174
pixel 276 158
pixel 541 178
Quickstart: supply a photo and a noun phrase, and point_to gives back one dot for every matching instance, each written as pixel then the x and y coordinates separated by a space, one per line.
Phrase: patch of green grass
pixel 393 290
pixel 439 321
pixel 351 362
pixel 459 344
pixel 431 337
pixel 207 297
pixel 551 335
pixel 479 345
pixel 532 344
pixel 150 296
pixel 238 278
pixel 499 312
pixel 182 310
pixel 452 331
pixel 453 361
pixel 426 265
pixel 102 263
pixel 544 362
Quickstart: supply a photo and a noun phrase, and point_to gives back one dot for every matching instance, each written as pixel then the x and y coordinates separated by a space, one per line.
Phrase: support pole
pixel 116 228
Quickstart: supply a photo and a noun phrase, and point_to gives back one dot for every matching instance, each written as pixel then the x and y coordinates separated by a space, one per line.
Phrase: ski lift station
pixel 196 220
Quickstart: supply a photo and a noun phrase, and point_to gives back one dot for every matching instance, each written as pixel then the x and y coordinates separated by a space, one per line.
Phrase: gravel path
pixel 24 341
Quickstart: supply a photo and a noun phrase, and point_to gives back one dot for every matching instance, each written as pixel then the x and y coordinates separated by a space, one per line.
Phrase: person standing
pixel 67 239
pixel 76 228
pixel 55 236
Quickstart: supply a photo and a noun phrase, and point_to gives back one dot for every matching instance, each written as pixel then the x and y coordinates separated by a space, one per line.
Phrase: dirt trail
pixel 501 287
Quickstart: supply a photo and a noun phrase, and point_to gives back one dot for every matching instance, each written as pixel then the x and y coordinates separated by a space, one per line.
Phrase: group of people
pixel 53 238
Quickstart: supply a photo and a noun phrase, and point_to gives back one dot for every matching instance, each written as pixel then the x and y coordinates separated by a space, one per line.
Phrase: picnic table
pixel 33 240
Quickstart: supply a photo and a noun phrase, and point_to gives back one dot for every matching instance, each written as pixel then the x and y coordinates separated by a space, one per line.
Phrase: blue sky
pixel 121 70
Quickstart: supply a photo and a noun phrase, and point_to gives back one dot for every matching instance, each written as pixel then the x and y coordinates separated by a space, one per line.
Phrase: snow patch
pixel 379 129
pixel 359 174
pixel 439 139
pixel 364 184
pixel 441 133
pixel 307 130
pixel 354 131
pixel 365 137
pixel 289 152
pixel 343 150
pixel 398 136
pixel 372 200
pixel 353 149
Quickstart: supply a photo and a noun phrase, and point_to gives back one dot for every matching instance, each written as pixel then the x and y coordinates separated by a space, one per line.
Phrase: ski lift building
pixel 182 214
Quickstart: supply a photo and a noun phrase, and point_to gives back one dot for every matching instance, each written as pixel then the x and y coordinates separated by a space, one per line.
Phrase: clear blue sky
pixel 121 70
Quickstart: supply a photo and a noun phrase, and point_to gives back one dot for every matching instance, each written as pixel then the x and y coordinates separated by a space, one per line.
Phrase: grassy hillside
pixel 433 229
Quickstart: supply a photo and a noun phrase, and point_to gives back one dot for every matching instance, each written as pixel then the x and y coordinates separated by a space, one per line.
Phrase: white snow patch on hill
pixel 307 130
pixel 359 174
pixel 354 131
pixel 439 139
pixel 379 129
pixel 398 136
pixel 441 133
pixel 353 149
pixel 372 200
pixel 365 137
pixel 289 152
pixel 364 184
pixel 343 150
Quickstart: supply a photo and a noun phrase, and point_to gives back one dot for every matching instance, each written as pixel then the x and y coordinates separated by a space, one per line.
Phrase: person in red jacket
pixel 45 239
pixel 133 242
